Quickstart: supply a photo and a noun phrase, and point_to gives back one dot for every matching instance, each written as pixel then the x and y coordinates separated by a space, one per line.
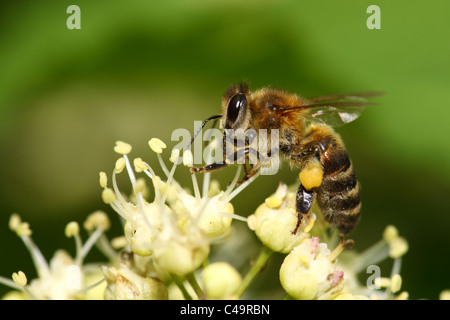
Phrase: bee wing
pixel 335 115
pixel 335 110
pixel 351 96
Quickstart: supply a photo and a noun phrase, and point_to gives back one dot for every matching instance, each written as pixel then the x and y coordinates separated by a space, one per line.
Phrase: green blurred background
pixel 140 69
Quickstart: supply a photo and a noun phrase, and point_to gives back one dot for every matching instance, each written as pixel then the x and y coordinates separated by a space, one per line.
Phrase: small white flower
pixel 275 219
pixel 125 284
pixel 309 272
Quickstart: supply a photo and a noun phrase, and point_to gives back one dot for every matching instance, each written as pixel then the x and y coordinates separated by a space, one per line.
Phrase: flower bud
pixel 220 280
pixel 181 258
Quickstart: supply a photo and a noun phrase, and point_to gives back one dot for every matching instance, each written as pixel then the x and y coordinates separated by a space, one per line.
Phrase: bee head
pixel 234 106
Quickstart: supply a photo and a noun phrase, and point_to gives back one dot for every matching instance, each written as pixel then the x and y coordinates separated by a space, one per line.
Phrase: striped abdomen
pixel 338 196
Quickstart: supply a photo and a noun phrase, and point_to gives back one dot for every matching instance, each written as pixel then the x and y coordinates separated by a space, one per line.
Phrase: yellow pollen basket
pixel 312 175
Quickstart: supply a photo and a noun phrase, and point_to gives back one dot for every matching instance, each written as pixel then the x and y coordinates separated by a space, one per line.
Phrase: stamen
pixel 39 261
pixel 119 242
pixel 171 174
pixel 20 278
pixel 89 243
pixel 92 286
pixel 195 184
pixel 72 229
pixel 156 145
pixel 373 255
pixel 382 282
pixel 163 165
pixel 105 247
pixel 402 296
pixel 390 233
pixel 208 160
pixel 242 187
pixel 23 230
pixel 141 186
pixel 396 283
pixel 14 222
pixel 139 197
pixel 19 283
pixel 108 196
pixel 120 164
pixel 149 170
pixel 188 159
pixel 396 267
pixel 117 192
pixel 169 181
pixel 120 205
pixel 9 283
pixel 398 247
pixel 214 188
pixel 103 179
pixel 273 202
pixel 97 219
pixel 233 216
pixel 175 155
pixel 206 181
pixel 130 170
pixel 139 165
pixel 122 147
pixel 233 183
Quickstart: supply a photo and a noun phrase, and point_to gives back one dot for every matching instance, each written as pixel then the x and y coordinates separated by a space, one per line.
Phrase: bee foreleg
pixel 304 201
pixel 210 167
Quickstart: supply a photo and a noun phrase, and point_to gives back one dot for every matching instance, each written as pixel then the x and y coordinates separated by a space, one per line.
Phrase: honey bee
pixel 307 141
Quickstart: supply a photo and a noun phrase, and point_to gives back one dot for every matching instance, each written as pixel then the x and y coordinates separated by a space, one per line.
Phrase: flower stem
pixel 180 285
pixel 255 269
pixel 194 284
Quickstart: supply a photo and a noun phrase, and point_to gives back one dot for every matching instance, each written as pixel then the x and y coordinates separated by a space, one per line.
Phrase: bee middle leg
pixel 304 201
pixel 250 172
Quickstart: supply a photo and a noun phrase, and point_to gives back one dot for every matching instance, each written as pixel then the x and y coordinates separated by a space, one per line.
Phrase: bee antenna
pixel 200 129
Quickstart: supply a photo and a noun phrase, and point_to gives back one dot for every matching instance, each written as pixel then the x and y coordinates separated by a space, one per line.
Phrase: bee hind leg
pixel 304 201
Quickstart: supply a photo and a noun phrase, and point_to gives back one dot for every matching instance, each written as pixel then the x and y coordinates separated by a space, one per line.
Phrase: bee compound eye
pixel 237 102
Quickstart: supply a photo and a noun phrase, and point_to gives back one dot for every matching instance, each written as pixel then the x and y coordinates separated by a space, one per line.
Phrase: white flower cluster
pixel 63 277
pixel 171 235
pixel 165 249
